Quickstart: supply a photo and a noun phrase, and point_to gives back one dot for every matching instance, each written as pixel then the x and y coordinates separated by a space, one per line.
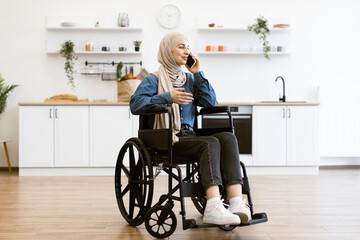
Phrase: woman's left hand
pixel 196 67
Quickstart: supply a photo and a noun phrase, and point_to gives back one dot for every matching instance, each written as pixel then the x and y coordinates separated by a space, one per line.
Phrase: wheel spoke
pixel 126 171
pixel 137 193
pixel 137 173
pixel 126 189
pixel 131 205
pixel 131 160
pixel 154 224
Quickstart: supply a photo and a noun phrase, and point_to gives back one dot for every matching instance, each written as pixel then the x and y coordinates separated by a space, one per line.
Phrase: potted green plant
pixel 67 52
pixel 137 45
pixel 261 28
pixel 4 93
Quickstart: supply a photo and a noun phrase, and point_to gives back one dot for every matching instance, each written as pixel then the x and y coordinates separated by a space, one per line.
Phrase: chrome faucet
pixel 283 98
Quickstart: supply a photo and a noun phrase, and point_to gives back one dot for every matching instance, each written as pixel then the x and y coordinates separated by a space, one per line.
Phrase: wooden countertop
pixel 126 103
pixel 73 104
pixel 269 103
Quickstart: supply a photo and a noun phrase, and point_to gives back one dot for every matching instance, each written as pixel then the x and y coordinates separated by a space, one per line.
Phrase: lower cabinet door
pixel 110 127
pixel 36 136
pixel 302 136
pixel 269 136
pixel 71 136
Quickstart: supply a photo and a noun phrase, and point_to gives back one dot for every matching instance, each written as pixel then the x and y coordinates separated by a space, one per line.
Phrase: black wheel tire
pixel 163 229
pixel 227 227
pixel 134 185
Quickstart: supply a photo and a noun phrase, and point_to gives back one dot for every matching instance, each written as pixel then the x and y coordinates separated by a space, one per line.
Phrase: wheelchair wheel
pixel 199 201
pixel 160 222
pixel 227 227
pixel 134 184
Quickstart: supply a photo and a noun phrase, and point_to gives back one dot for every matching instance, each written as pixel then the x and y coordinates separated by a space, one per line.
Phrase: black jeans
pixel 218 157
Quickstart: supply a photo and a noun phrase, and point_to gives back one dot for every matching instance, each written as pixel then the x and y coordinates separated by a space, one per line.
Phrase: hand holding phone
pixel 190 61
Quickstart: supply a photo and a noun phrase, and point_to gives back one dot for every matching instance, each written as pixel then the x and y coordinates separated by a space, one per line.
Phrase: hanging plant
pixel 67 52
pixel 4 93
pixel 261 28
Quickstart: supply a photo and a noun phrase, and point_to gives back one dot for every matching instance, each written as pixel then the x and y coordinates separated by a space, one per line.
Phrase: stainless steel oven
pixel 242 118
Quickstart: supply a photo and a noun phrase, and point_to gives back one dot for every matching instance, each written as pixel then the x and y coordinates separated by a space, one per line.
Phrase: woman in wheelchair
pixel 218 154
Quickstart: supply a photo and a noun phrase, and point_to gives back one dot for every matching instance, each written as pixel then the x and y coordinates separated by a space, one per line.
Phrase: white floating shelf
pixel 96 28
pixel 99 53
pixel 218 29
pixel 243 53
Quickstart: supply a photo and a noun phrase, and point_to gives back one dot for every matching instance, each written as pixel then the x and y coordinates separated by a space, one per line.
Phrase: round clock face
pixel 169 16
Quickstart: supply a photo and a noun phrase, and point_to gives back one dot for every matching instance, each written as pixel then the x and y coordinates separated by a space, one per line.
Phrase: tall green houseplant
pixel 261 28
pixel 67 52
pixel 4 93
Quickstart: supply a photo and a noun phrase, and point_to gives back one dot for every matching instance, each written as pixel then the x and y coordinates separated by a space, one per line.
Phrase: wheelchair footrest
pixel 191 223
pixel 256 219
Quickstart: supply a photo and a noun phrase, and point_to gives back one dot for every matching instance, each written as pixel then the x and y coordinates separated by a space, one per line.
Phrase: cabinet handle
pixel 283 112
pixel 50 113
pixel 129 113
pixel 289 113
pixel 56 115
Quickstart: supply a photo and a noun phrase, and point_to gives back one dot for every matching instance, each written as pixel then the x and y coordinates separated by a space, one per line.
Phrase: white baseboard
pixel 110 171
pixel 58 171
pixel 339 161
pixel 286 170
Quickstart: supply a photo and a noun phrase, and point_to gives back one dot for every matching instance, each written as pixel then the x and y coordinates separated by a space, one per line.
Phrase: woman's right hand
pixel 180 97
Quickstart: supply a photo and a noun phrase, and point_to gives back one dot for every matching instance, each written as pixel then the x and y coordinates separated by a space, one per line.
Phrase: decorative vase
pixel 123 20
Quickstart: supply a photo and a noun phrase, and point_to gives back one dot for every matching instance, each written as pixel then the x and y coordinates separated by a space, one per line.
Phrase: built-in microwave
pixel 242 120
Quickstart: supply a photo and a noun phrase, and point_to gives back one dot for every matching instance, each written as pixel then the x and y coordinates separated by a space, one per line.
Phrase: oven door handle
pixel 226 117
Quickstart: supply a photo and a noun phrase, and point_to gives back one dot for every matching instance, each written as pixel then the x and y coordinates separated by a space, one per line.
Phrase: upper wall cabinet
pixel 93 35
pixel 229 35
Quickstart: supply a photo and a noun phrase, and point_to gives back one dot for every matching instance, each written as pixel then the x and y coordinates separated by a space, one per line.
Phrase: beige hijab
pixel 169 74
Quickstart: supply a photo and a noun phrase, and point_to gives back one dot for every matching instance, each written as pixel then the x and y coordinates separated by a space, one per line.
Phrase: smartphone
pixel 190 61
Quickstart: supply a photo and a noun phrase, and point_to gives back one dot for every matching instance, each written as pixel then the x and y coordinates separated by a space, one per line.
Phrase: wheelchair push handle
pixel 217 109
pixel 157 110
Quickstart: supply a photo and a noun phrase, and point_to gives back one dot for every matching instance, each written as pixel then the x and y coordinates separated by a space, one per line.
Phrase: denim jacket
pixel 146 97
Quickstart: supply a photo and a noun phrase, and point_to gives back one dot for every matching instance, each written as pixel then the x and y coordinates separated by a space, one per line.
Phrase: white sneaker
pixel 240 208
pixel 216 213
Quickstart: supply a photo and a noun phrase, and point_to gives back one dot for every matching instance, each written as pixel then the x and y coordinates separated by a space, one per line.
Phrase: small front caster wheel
pixel 227 227
pixel 160 222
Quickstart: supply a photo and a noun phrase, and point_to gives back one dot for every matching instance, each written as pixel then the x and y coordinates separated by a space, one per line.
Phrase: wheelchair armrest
pixel 217 109
pixel 157 110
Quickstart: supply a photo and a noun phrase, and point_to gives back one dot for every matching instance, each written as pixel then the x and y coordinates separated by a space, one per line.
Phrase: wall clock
pixel 169 16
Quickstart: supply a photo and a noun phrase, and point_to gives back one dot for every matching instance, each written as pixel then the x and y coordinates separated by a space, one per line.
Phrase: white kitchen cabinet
pixel 71 136
pixel 285 136
pixel 110 127
pixel 36 136
pixel 53 136
pixel 84 139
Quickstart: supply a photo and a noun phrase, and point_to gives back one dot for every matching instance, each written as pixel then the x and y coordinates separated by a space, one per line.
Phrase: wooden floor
pixel 325 206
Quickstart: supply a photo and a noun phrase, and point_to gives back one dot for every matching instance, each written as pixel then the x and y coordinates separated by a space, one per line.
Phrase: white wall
pixel 325 41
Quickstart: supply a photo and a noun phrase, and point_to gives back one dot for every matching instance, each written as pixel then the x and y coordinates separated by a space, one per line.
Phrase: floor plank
pixel 325 206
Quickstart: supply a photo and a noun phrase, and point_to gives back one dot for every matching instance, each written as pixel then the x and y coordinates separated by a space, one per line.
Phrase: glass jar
pixel 123 20
pixel 89 46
